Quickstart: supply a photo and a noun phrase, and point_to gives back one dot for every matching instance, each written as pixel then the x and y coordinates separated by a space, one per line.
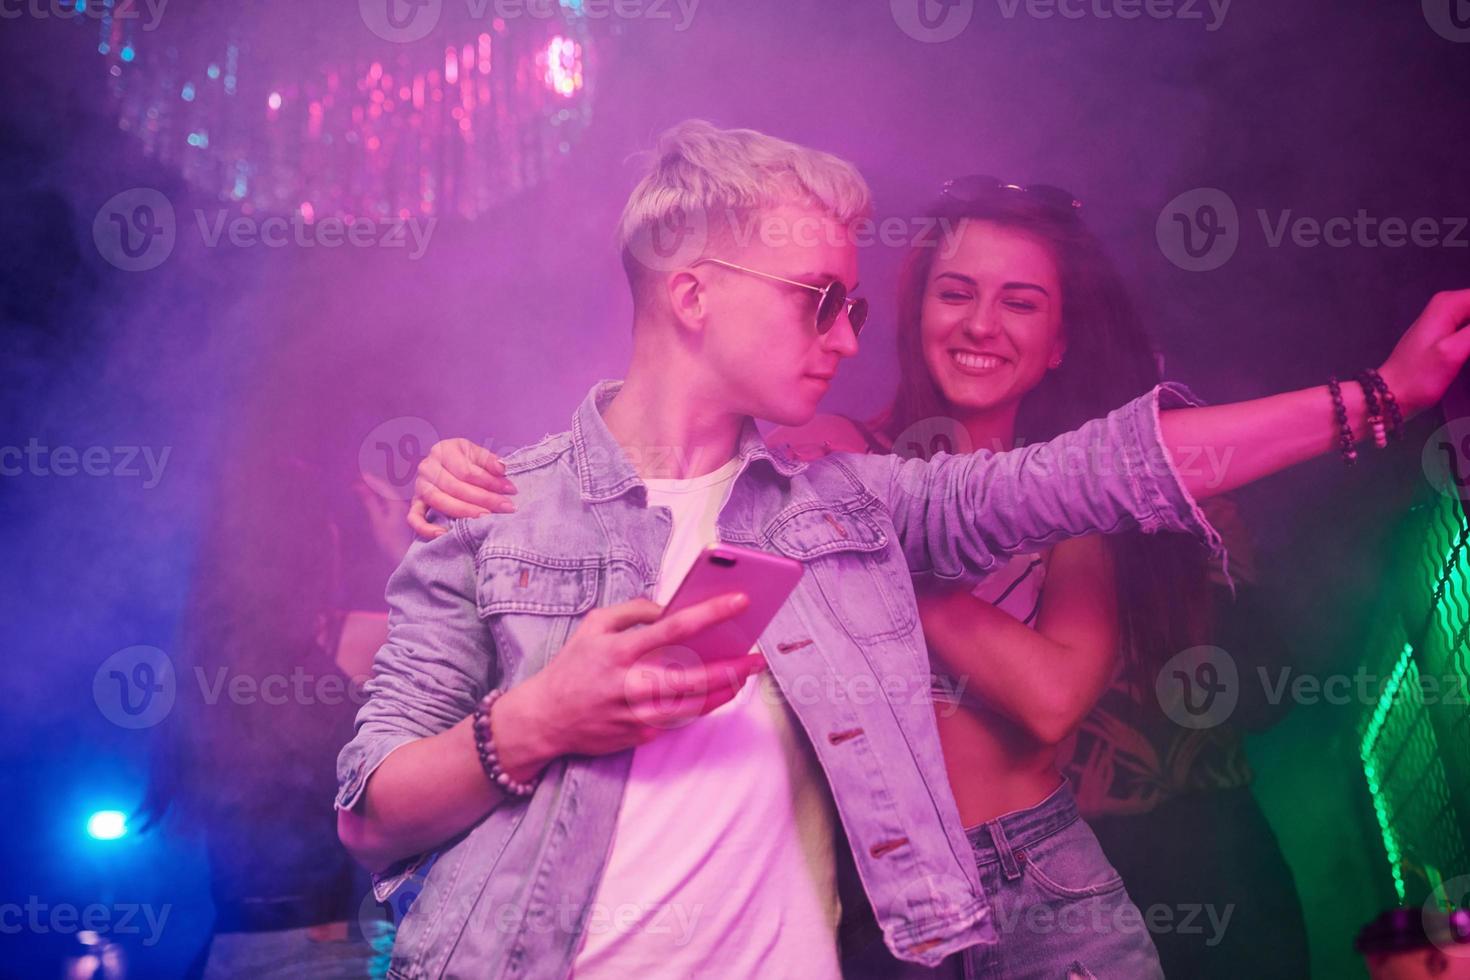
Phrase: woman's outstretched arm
pixel 1252 439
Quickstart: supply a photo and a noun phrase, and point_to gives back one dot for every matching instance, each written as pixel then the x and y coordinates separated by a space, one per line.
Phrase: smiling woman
pixel 985 327
pixel 1022 330
pixel 993 311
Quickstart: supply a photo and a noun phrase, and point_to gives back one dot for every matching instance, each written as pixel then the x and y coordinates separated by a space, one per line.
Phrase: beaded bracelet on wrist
pixel 1390 404
pixel 1345 431
pixel 1375 412
pixel 489 758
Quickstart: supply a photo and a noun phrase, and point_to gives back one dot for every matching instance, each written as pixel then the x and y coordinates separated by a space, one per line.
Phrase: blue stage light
pixel 107 825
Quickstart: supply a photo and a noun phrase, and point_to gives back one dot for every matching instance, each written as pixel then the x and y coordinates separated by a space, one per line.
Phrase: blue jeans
pixel 1059 907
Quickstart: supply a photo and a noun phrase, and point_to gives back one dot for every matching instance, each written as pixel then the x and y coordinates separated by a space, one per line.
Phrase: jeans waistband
pixel 995 840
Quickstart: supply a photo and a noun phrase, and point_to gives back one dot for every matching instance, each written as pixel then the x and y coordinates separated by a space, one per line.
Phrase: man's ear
pixel 688 298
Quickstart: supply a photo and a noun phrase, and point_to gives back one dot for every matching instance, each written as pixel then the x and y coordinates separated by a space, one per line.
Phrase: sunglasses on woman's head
pixel 982 187
pixel 833 299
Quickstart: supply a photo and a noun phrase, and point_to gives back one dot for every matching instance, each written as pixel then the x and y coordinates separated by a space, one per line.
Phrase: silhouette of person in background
pixel 285 615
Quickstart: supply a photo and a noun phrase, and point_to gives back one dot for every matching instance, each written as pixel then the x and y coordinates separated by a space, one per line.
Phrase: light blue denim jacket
pixel 489 602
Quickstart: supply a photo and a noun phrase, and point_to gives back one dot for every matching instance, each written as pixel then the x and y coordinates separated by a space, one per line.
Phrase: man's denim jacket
pixel 488 603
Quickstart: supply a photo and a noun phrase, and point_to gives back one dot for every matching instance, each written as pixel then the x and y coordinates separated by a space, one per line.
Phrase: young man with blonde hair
pixel 519 759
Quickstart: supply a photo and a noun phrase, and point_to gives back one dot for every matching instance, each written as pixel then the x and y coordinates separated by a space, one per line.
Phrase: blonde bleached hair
pixel 719 174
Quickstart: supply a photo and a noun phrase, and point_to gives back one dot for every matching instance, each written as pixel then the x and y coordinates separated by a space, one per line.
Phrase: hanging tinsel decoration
pixel 316 112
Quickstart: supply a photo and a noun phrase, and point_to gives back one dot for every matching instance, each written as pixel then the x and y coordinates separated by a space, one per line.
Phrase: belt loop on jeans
pixel 1008 863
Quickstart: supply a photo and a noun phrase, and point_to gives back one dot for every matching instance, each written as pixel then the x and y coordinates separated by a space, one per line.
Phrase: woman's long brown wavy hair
pixel 1162 579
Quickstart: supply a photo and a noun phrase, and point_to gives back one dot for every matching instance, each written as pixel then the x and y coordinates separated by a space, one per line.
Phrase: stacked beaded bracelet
pixel 1375 413
pixel 1390 403
pixel 1345 431
pixel 485 746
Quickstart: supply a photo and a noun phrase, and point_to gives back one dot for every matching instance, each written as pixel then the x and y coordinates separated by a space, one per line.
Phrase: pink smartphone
pixel 766 578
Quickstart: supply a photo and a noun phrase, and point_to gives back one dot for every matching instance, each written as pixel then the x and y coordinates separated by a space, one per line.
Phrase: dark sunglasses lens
pixel 858 315
pixel 834 296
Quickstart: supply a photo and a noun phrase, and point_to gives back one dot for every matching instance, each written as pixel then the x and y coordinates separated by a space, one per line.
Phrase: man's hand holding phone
pixel 622 679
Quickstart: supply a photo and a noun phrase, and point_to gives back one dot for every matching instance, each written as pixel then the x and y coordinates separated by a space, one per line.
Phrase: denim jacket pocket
pixel 512 580
pixel 849 556
pixel 531 602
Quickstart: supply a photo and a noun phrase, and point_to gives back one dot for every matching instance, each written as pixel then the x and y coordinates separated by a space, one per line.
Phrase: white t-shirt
pixel 722 859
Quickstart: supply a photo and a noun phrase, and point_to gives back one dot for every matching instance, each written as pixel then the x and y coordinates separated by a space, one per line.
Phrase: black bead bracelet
pixel 1375 413
pixel 1390 404
pixel 1345 431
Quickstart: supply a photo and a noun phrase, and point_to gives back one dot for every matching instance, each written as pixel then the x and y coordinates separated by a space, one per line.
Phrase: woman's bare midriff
pixel 994 767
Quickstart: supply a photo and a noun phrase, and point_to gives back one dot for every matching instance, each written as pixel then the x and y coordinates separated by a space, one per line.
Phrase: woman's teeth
pixel 976 362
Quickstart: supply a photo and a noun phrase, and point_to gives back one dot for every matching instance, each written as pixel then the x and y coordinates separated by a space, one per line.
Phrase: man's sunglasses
pixel 833 299
pixel 977 188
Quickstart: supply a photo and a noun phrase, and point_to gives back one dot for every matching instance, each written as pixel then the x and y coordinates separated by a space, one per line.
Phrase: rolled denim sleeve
pixel 438 661
pixel 957 515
